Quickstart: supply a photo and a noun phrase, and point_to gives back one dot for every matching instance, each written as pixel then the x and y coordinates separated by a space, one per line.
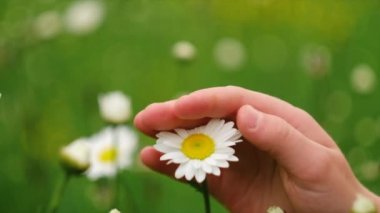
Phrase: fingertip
pixel 151 158
pixel 248 118
pixel 149 155
pixel 137 120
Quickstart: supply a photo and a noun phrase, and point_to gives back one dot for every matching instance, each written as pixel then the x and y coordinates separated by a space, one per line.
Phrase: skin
pixel 286 158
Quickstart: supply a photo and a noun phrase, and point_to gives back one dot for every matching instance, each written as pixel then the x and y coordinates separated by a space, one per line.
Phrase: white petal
pixel 219 156
pixel 211 161
pixel 222 164
pixel 225 144
pixel 226 150
pixel 213 126
pixel 190 172
pixel 180 159
pixel 233 158
pixel 215 171
pixel 200 175
pixel 225 136
pixel 169 136
pixel 206 167
pixel 196 164
pixel 236 137
pixel 171 156
pixel 181 170
pixel 174 144
pixel 164 149
pixel 182 133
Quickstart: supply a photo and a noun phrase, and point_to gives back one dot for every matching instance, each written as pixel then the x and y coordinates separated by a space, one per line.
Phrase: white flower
pixel 229 53
pixel 363 205
pixel 115 107
pixel 83 17
pixel 114 211
pixel 75 157
pixel 47 25
pixel 111 150
pixel 200 151
pixel 274 209
pixel 363 79
pixel 184 50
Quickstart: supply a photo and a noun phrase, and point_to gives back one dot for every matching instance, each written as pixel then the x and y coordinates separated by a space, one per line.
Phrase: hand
pixel 287 159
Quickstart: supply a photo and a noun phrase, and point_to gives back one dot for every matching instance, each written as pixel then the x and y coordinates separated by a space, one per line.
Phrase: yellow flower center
pixel 198 146
pixel 108 155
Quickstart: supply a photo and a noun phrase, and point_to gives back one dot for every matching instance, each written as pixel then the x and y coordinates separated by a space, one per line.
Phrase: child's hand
pixel 287 159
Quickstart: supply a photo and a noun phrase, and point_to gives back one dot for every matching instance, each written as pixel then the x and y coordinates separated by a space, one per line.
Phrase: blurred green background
pixel 322 56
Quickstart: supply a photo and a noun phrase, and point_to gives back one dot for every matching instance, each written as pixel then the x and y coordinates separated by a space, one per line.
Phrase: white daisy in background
pixel 184 51
pixel 47 25
pixel 84 17
pixel 75 157
pixel 115 107
pixel 363 205
pixel 229 53
pixel 199 151
pixel 111 150
pixel 363 79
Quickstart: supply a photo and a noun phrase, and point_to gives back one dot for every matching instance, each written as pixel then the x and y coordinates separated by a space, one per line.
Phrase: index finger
pixel 224 102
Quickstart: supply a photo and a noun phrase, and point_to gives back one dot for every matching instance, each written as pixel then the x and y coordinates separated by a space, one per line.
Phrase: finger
pixel 160 116
pixel 296 153
pixel 151 158
pixel 224 101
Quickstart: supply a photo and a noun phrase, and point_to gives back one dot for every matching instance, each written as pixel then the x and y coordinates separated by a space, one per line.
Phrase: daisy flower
pixel 75 156
pixel 199 151
pixel 115 107
pixel 363 205
pixel 184 51
pixel 111 150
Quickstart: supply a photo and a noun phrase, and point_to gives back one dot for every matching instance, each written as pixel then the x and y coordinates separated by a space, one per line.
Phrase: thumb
pixel 299 155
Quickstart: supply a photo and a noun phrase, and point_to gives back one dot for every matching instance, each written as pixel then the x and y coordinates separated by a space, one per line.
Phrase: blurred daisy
pixel 363 205
pixel 200 151
pixel 363 79
pixel 47 25
pixel 75 157
pixel 115 107
pixel 184 50
pixel 84 17
pixel 111 150
pixel 229 53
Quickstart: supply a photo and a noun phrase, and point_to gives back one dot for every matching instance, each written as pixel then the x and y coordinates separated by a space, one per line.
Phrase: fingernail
pixel 253 116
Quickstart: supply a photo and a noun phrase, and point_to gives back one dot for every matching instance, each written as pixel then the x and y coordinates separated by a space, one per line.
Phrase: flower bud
pixel 115 211
pixel 115 107
pixel 75 157
pixel 184 51
pixel 275 209
pixel 363 205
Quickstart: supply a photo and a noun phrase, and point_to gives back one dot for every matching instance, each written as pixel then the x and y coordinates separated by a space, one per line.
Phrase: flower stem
pixel 58 193
pixel 206 196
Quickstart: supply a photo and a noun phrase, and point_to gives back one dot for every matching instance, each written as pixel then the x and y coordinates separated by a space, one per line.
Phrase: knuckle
pixel 320 169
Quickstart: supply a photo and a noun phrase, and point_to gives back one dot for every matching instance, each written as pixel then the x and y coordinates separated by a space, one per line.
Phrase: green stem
pixel 132 201
pixel 206 196
pixel 115 142
pixel 58 194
